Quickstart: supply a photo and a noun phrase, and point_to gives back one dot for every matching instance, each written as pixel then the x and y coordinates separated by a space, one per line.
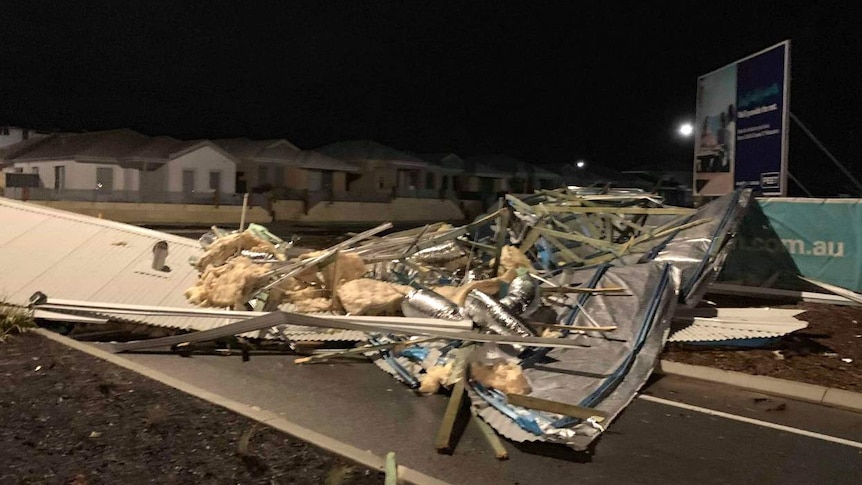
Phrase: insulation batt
pixel 312 305
pixel 228 285
pixel 434 378
pixel 511 258
pixel 507 377
pixel 458 294
pixel 349 266
pixel 229 246
pixel 371 297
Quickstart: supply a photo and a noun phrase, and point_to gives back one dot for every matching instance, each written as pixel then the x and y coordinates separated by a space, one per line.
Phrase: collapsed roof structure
pixel 549 313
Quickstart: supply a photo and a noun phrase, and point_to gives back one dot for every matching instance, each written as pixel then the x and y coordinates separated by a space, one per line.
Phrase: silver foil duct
pixel 258 256
pixel 426 303
pixel 490 315
pixel 524 296
pixel 442 253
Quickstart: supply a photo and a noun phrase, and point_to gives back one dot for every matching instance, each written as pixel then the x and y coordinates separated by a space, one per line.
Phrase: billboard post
pixel 742 125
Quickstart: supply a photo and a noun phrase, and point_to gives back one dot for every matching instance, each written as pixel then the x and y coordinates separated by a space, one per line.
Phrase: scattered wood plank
pixel 443 443
pixel 556 407
pixel 491 437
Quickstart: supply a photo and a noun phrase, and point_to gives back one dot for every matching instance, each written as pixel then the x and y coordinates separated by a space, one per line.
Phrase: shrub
pixel 14 320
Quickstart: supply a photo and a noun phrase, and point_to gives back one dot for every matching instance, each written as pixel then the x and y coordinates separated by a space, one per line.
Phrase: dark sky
pixel 546 82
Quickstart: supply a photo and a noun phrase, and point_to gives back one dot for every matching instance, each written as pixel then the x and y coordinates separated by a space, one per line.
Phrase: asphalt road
pixel 651 442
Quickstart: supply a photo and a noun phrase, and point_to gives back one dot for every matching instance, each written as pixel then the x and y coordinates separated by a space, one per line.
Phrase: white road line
pixel 756 422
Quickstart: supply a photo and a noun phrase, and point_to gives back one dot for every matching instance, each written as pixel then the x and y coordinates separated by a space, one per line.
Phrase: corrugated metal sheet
pixel 77 257
pixel 707 330
pixel 729 324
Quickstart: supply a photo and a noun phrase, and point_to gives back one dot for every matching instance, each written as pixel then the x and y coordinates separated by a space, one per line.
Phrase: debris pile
pixel 548 313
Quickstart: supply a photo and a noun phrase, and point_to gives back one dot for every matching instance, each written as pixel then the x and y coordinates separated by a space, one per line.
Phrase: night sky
pixel 546 83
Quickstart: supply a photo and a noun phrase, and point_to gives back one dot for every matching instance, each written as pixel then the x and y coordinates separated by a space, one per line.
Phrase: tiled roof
pixel 282 152
pixel 113 146
pixel 360 150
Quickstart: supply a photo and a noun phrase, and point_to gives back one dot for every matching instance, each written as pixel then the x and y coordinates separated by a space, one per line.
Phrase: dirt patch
pixel 818 354
pixel 66 417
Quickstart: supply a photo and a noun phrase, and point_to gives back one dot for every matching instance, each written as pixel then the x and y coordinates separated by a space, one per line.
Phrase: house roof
pixel 362 150
pixel 47 250
pixel 101 145
pixel 444 162
pixel 158 147
pixel 282 152
pixel 505 165
pixel 112 146
pixel 246 148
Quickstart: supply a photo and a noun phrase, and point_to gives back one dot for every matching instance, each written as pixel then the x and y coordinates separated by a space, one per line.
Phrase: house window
pixel 262 175
pixel 35 170
pixel 59 177
pixel 215 180
pixel 430 181
pixel 381 182
pixel 105 179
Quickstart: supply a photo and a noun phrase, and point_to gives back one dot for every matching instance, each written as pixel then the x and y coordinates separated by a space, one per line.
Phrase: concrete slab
pixel 843 399
pixel 768 385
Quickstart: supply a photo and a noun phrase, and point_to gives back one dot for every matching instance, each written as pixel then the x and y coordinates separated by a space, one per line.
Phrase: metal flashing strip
pixel 281 318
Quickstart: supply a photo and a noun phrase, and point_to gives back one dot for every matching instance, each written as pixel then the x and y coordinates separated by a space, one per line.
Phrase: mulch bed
pixel 813 355
pixel 67 417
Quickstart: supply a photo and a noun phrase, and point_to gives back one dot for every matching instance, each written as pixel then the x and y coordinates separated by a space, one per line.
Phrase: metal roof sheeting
pixel 77 257
pixel 730 324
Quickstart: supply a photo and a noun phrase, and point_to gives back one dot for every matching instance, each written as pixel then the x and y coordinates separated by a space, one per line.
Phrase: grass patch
pixel 14 320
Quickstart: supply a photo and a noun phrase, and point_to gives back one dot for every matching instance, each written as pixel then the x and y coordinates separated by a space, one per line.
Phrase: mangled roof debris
pixel 551 310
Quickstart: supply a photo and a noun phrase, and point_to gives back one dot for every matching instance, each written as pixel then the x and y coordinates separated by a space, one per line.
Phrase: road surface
pixel 664 437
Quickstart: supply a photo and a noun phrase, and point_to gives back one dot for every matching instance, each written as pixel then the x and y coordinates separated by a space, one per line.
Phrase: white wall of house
pixel 79 176
pixel 131 179
pixel 202 161
pixel 10 135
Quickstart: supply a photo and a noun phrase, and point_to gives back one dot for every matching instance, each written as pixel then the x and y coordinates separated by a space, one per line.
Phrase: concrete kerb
pixel 356 455
pixel 827 396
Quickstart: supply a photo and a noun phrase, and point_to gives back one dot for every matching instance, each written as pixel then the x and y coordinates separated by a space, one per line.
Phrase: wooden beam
pixel 596 243
pixel 611 328
pixel 620 210
pixel 556 407
pixel 491 437
pixel 443 442
pixel 567 253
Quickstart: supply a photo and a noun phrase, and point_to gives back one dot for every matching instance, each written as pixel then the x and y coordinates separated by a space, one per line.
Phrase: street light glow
pixel 581 164
pixel 686 129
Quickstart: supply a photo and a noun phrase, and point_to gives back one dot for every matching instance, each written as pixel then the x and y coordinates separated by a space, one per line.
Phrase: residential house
pixel 281 166
pixel 443 172
pixel 583 173
pixel 523 177
pixel 383 170
pixel 123 165
pixel 9 135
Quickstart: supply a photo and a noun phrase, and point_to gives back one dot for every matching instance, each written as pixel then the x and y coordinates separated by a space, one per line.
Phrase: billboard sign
pixel 741 125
